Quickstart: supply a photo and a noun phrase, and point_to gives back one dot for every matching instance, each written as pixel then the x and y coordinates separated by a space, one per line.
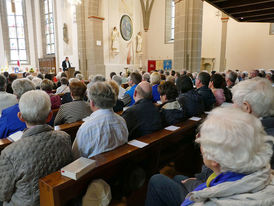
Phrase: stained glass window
pixel 49 26
pixel 16 28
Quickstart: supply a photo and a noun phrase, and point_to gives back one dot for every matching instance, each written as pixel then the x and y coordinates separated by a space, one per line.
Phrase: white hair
pixel 155 78
pixel 30 77
pixel 146 77
pixel 117 79
pixel 20 86
pixel 80 76
pixel 35 107
pixel 37 82
pixel 102 95
pixel 90 77
pixel 258 92
pixel 73 80
pixel 236 140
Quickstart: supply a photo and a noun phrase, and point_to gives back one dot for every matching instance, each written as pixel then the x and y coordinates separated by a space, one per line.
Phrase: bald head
pixel 143 91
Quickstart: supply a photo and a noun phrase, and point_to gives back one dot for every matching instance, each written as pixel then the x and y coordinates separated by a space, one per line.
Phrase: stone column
pixel 90 36
pixel 188 35
pixel 224 19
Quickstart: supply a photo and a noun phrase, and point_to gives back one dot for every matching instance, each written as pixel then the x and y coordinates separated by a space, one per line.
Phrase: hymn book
pixel 78 168
pixel 15 136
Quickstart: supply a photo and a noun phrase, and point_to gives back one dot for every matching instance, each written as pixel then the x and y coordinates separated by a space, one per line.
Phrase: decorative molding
pixel 96 17
pixel 146 11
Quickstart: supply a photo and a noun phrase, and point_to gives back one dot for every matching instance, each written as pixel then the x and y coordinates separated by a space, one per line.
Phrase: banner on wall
pixel 151 65
pixel 168 64
pixel 159 65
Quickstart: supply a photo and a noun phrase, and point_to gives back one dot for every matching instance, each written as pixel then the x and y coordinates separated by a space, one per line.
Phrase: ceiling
pixel 246 10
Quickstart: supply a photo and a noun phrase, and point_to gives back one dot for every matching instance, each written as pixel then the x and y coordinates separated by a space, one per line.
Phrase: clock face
pixel 126 27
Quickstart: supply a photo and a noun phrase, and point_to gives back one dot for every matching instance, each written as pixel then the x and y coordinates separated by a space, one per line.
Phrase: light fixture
pixel 75 2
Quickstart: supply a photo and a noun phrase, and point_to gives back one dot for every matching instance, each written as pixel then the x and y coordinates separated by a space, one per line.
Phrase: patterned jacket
pixel 39 152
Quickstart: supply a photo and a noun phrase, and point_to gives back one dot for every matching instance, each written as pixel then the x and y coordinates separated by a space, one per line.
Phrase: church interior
pixel 136 102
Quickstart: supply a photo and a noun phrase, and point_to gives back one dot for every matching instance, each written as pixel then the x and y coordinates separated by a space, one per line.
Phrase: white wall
pixel 249 45
pixel 112 11
pixel 211 34
pixel 66 14
pixel 156 47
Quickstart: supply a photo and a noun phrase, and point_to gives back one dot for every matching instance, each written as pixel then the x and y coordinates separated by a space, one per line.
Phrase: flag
pixel 168 64
pixel 151 65
pixel 159 65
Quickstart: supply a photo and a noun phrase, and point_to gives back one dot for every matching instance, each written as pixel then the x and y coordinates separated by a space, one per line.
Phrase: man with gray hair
pixel 103 130
pixel 118 80
pixel 143 117
pixel 6 99
pixel 230 79
pixel 9 122
pixel 39 152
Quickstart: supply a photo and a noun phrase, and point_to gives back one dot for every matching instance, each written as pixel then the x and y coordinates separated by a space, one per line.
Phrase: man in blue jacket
pixel 134 79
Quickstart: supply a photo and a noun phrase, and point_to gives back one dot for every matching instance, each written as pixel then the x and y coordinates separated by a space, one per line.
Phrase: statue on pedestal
pixel 139 43
pixel 115 40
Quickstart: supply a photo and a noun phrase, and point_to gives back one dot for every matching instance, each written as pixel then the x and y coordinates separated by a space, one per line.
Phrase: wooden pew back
pixel 56 190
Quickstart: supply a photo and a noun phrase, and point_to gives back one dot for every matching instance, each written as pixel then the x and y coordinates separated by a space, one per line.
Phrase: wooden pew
pixel 56 190
pixel 71 128
pixel 55 111
pixel 4 143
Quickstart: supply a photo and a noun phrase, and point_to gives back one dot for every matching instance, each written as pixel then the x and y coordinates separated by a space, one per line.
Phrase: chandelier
pixel 75 2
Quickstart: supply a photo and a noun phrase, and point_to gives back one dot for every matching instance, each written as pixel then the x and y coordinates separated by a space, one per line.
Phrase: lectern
pixel 70 72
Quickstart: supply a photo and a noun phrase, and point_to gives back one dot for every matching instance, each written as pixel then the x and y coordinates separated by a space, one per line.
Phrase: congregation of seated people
pixel 236 138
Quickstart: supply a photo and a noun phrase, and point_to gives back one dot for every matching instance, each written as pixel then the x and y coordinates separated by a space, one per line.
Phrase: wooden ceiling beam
pixel 255 14
pixel 257 19
pixel 253 8
pixel 262 21
pixel 239 3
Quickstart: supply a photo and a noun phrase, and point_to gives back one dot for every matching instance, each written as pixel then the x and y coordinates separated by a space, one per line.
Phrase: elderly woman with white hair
pixel 256 96
pixel 118 80
pixel 9 122
pixel 235 146
pixel 155 79
pixel 39 152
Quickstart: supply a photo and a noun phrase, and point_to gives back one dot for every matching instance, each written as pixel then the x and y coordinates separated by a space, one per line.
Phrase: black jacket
pixel 170 114
pixel 142 118
pixel 208 97
pixel 191 103
pixel 64 65
pixel 268 124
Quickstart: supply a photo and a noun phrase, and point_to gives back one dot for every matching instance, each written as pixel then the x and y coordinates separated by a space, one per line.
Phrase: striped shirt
pixel 72 112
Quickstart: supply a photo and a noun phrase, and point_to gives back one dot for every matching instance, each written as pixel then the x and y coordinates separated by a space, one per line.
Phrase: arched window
pixel 48 26
pixel 170 21
pixel 15 31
